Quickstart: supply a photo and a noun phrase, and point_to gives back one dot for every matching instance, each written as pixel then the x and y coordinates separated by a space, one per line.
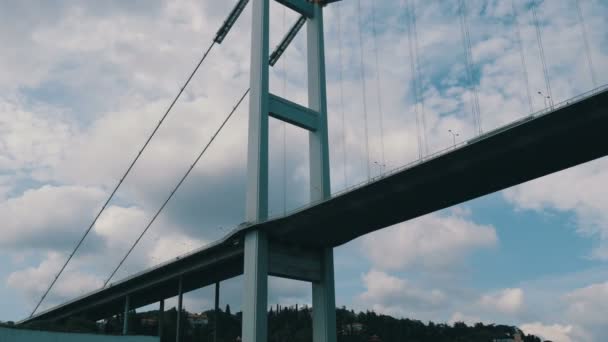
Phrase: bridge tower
pixel 263 257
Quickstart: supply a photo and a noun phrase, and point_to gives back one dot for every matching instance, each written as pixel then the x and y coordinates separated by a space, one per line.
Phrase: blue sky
pixel 84 83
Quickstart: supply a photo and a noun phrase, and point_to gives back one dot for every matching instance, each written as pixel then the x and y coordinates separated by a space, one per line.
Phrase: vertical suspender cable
pixel 539 40
pixel 466 58
pixel 414 73
pixel 466 41
pixel 378 86
pixel 472 65
pixel 581 20
pixel 419 76
pixel 364 88
pixel 342 92
pixel 284 62
pixel 522 55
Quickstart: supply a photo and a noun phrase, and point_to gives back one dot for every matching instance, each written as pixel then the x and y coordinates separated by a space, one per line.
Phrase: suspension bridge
pixel 299 245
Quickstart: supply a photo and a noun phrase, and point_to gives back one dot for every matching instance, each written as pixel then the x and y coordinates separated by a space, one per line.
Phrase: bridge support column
pixel 324 302
pixel 180 295
pixel 323 291
pixel 255 294
pixel 125 318
pixel 161 314
pixel 217 311
pixel 255 283
pixel 256 258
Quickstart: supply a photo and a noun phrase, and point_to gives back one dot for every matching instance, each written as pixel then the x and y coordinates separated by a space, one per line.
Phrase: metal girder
pixel 278 51
pixel 294 263
pixel 293 113
pixel 229 22
pixel 303 7
pixel 125 318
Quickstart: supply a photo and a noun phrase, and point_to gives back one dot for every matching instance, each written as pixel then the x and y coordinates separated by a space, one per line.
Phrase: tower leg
pixel 255 294
pixel 161 314
pixel 125 321
pixel 216 311
pixel 255 291
pixel 324 302
pixel 180 296
pixel 323 291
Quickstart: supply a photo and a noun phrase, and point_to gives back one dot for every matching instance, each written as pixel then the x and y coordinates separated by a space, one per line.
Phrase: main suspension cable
pixel 181 181
pixel 522 55
pixel 581 20
pixel 88 230
pixel 378 87
pixel 284 65
pixel 364 88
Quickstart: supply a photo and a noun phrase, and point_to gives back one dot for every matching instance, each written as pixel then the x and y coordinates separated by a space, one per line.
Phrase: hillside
pixel 293 324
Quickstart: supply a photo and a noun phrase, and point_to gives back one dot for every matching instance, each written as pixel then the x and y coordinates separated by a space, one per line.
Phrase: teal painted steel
pixel 293 113
pixel 303 7
pixel 323 292
pixel 180 300
pixel 324 302
pixel 255 264
pixel 125 317
pixel 257 156
pixel 255 288
pixel 161 314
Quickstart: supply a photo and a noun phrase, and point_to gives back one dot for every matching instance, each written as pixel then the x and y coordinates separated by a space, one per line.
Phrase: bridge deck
pixel 533 147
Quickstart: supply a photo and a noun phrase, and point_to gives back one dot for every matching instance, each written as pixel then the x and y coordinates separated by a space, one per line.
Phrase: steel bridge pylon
pixel 262 256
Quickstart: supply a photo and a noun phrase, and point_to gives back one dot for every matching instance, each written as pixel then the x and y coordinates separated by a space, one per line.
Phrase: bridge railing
pixel 401 168
pixel 436 154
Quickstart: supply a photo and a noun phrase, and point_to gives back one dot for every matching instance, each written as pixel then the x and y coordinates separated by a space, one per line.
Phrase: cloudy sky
pixel 83 84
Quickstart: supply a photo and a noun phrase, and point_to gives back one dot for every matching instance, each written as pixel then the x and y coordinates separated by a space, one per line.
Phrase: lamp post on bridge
pixel 454 135
pixel 545 98
pixel 381 166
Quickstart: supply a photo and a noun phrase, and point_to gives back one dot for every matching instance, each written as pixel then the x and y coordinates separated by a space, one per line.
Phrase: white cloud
pixel 170 246
pixel 554 332
pixel 587 200
pixel 31 136
pixel 106 75
pixel 507 301
pixel 47 217
pixel 396 296
pixel 33 281
pixel 432 241
pixel 588 305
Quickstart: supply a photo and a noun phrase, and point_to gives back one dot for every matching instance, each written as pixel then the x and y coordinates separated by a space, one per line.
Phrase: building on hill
pixel 516 338
pixel 352 329
pixel 197 320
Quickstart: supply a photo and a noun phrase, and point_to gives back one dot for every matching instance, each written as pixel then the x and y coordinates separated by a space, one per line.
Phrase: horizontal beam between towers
pixel 303 7
pixel 293 113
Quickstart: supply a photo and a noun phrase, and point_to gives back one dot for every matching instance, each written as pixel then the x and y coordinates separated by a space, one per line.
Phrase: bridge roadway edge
pixel 570 136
